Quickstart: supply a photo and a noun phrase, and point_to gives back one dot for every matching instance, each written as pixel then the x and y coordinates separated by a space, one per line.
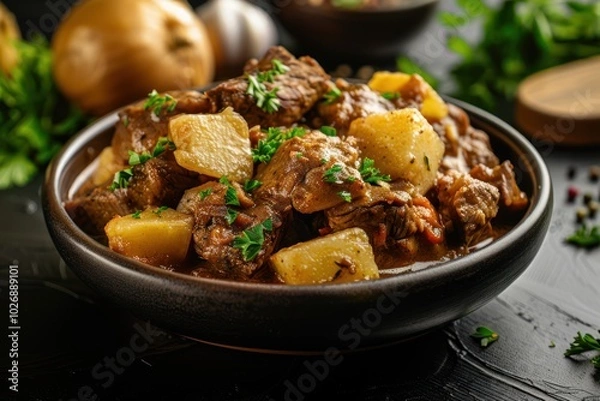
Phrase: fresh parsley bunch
pixel 519 38
pixel 585 343
pixel 35 120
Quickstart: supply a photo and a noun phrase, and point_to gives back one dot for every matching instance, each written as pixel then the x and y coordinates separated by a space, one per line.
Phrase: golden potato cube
pixel 402 143
pixel 157 236
pixel 388 82
pixel 340 257
pixel 213 144
pixel 433 107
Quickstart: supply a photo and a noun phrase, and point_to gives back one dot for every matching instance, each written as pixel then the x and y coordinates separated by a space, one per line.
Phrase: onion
pixel 109 53
pixel 9 32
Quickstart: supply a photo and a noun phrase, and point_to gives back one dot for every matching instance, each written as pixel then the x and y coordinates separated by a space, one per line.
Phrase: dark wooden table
pixel 72 345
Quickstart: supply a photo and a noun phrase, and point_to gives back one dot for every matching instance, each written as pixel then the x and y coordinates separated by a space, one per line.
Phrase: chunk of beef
pixel 467 206
pixel 139 128
pixel 159 182
pixel 389 215
pixel 285 179
pixel 355 101
pixel 298 89
pixel 214 232
pixel 503 178
pixel 92 210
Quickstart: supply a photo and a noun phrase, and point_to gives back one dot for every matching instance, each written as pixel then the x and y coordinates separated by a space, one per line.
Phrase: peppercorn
pixel 587 198
pixel 594 173
pixel 593 207
pixel 571 172
pixel 581 214
pixel 572 193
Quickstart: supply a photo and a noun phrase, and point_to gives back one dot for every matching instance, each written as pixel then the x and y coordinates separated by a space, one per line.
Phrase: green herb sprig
pixel 251 241
pixel 267 100
pixel 584 237
pixel 231 197
pixel 123 177
pixel 332 95
pixel 583 343
pixel 266 148
pixel 371 174
pixel 485 335
pixel 35 119
pixel 156 102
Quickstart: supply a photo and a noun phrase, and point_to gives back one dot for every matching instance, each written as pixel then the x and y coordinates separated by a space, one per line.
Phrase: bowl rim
pixel 402 6
pixel 57 216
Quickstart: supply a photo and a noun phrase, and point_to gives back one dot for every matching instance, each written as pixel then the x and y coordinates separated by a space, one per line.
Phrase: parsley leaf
pixel 333 95
pixel 121 179
pixel 231 197
pixel 370 173
pixel 251 185
pixel 332 174
pixel 137 214
pixel 585 343
pixel 205 193
pixel 485 335
pixel 159 210
pixel 345 195
pixel 35 118
pixel 231 216
pixel 266 99
pixel 329 131
pixel 266 148
pixel 250 241
pixel 585 238
pixel 156 102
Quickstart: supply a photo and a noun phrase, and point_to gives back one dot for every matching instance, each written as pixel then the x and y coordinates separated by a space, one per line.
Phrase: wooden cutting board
pixel 562 104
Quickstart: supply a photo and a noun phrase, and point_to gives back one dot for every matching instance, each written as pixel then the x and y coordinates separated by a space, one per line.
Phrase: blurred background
pixel 57 74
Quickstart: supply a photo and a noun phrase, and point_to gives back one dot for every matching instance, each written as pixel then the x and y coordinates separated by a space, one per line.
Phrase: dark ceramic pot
pixel 353 34
pixel 313 318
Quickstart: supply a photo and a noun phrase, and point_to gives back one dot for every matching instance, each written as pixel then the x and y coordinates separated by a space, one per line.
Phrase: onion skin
pixel 9 32
pixel 109 53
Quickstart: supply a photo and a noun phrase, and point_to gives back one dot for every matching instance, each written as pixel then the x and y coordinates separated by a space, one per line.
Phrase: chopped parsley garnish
pixel 123 177
pixel 251 185
pixel 390 95
pixel 250 241
pixel 485 335
pixel 266 148
pixel 329 131
pixel 584 343
pixel 426 160
pixel 585 238
pixel 205 193
pixel 137 214
pixel 370 173
pixel 156 102
pixel 231 216
pixel 266 99
pixel 159 211
pixel 125 121
pixel 332 174
pixel 345 195
pixel 333 95
pixel 231 197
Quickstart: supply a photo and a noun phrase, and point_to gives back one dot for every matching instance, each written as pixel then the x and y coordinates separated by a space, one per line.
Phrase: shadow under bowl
pixel 300 319
pixel 353 35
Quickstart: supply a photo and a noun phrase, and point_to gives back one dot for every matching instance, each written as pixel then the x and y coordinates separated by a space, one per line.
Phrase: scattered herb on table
pixel 583 343
pixel 584 237
pixel 485 335
pixel 266 99
pixel 35 119
pixel 250 242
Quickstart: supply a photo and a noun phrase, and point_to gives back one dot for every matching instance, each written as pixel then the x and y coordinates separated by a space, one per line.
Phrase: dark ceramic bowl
pixel 302 318
pixel 353 34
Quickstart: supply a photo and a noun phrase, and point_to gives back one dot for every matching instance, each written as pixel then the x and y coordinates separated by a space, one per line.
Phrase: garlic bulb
pixel 238 30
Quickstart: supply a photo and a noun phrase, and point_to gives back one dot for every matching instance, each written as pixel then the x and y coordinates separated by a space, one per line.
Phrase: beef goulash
pixel 285 175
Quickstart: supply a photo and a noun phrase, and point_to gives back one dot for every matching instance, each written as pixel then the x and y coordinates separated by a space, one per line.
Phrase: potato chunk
pixel 213 144
pixel 108 165
pixel 157 236
pixel 433 107
pixel 340 257
pixel 402 143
